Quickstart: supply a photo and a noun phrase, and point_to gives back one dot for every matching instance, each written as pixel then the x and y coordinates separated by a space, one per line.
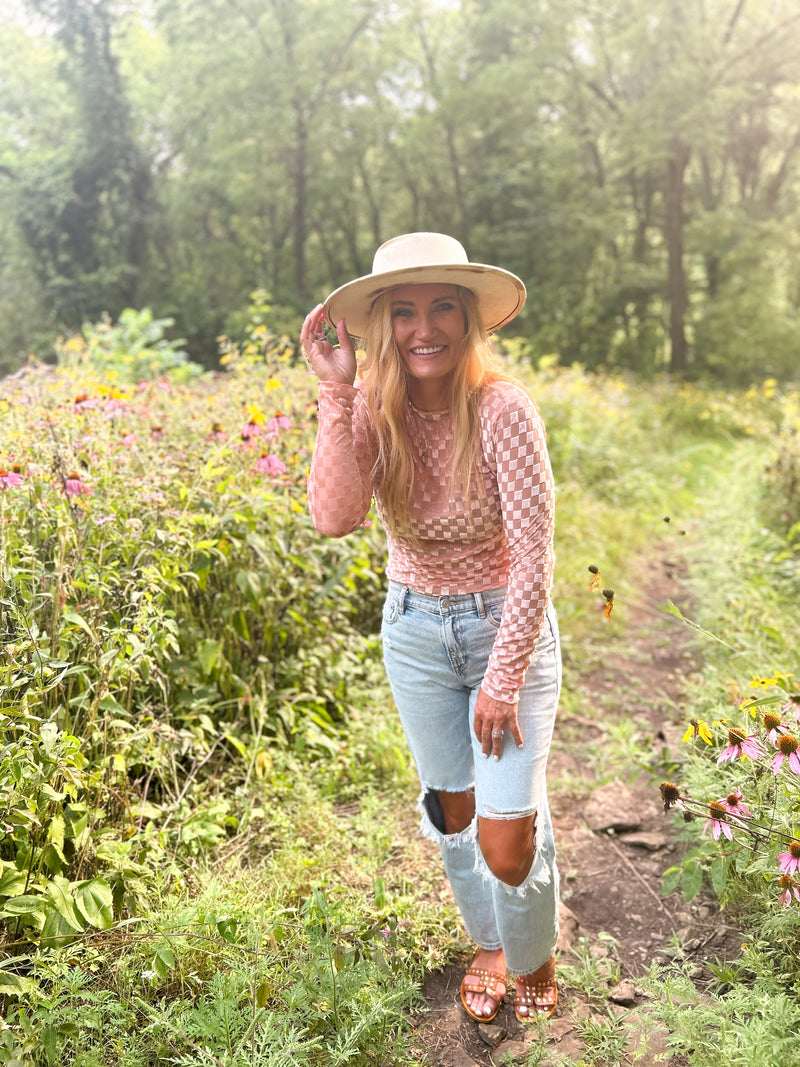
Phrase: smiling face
pixel 429 326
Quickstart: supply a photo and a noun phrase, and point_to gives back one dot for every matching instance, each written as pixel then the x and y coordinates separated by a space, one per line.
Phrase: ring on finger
pixel 497 733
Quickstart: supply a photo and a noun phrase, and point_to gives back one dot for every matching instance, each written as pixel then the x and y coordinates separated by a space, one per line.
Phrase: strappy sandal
pixel 540 998
pixel 479 980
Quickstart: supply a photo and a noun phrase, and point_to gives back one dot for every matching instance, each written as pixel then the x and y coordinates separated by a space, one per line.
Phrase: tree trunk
pixel 673 226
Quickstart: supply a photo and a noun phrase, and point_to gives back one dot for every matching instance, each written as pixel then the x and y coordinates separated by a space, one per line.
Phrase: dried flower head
pixel 670 794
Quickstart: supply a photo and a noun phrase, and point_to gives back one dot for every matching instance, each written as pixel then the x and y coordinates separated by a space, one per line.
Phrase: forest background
pixel 635 161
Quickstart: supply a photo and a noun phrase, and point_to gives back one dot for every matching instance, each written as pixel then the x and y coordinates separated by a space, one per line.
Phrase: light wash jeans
pixel 436 651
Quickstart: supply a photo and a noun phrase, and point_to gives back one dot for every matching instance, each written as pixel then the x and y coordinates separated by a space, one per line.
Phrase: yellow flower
pixel 698 728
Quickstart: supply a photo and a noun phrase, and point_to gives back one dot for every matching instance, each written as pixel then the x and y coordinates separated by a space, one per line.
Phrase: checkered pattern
pixel 503 536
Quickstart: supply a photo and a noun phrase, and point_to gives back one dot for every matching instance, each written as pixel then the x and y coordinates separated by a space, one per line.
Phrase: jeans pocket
pixel 391 611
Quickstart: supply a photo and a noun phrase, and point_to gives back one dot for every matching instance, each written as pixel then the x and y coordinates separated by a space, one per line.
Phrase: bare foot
pixel 485 1004
pixel 537 993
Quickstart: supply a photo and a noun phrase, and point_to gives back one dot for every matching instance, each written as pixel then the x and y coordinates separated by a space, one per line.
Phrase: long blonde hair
pixel 386 389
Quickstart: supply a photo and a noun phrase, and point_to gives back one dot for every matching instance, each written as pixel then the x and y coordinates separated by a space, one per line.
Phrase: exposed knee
pixel 508 846
pixel 450 813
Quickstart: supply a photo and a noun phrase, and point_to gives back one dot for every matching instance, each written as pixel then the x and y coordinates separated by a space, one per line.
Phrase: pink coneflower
pixel 734 806
pixel 792 707
pixel 8 479
pixel 217 433
pixel 156 432
pixel 277 423
pixel 740 746
pixel 671 795
pixel 128 440
pixel 790 891
pixel 787 749
pixel 774 725
pixel 790 861
pixel 717 812
pixel 75 486
pixel 250 430
pixel 269 463
pixel 84 402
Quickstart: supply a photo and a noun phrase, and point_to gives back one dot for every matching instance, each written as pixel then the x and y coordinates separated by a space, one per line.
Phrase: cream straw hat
pixel 426 257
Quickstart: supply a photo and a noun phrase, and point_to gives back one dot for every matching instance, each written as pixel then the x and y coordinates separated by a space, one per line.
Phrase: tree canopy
pixel 636 162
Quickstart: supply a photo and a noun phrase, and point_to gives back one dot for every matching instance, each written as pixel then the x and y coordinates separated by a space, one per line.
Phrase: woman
pixel 454 454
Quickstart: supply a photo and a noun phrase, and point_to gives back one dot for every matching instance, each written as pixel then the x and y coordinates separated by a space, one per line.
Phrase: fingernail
pixel 520 745
pixel 496 759
pixel 485 755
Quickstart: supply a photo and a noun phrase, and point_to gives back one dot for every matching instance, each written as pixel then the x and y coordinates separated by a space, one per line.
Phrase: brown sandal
pixel 542 997
pixel 482 981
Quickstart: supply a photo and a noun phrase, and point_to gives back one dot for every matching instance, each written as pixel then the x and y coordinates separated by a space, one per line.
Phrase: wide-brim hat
pixel 416 258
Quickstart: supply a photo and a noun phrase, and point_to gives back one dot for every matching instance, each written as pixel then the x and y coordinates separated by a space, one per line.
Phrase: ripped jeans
pixel 436 651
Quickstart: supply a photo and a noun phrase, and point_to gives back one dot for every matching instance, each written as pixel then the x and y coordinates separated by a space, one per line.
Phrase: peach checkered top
pixel 501 537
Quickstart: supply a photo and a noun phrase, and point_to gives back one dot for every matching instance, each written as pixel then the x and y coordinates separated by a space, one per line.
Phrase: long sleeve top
pixel 501 536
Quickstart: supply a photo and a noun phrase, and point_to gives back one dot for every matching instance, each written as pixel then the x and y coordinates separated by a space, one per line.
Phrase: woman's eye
pixel 400 313
pixel 444 307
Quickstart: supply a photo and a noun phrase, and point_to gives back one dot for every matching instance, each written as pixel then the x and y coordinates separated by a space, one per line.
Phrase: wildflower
pixel 740 746
pixel 148 975
pixel 250 430
pixel 277 423
pixel 75 486
pixel 792 705
pixel 772 723
pixel 789 861
pixel 128 440
pixel 717 821
pixel 698 728
pixel 595 572
pixel 734 806
pixel 8 479
pixel 790 890
pixel 84 402
pixel 787 749
pixel 671 795
pixel 269 463
pixel 156 432
pixel 217 433
pixel 608 594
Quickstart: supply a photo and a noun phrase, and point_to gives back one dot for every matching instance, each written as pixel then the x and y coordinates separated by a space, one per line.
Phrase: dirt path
pixel 614 844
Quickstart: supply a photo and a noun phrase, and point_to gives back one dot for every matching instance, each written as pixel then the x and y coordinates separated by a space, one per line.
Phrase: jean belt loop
pixel 479 604
pixel 403 598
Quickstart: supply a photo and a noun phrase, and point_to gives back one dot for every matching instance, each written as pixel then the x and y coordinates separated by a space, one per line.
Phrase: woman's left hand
pixel 492 718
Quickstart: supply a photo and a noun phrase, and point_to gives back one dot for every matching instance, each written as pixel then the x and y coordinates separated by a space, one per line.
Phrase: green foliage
pixel 131 350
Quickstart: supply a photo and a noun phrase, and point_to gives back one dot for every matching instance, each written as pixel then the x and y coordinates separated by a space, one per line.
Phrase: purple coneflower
pixel 75 486
pixel 787 749
pixel 217 433
pixel 774 725
pixel 717 812
pixel 250 430
pixel 8 479
pixel 740 746
pixel 734 806
pixel 277 423
pixel 790 861
pixel 789 890
pixel 269 463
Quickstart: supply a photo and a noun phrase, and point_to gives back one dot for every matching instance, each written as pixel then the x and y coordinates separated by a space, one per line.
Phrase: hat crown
pixel 418 250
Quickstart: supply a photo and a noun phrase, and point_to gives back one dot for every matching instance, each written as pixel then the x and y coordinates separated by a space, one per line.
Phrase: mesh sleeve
pixel 527 498
pixel 340 481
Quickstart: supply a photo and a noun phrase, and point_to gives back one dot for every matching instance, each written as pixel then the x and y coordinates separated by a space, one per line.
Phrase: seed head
pixel 608 594
pixel 787 744
pixel 794 848
pixel 593 569
pixel 771 721
pixel 735 737
pixel 716 810
pixel 670 794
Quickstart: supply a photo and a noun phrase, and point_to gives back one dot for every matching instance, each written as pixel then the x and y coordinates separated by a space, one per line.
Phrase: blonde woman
pixel 454 454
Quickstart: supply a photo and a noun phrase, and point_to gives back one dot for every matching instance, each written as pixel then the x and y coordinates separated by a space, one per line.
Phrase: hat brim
pixel 500 294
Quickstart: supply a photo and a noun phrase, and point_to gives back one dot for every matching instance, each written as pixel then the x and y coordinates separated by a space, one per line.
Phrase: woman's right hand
pixel 328 363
